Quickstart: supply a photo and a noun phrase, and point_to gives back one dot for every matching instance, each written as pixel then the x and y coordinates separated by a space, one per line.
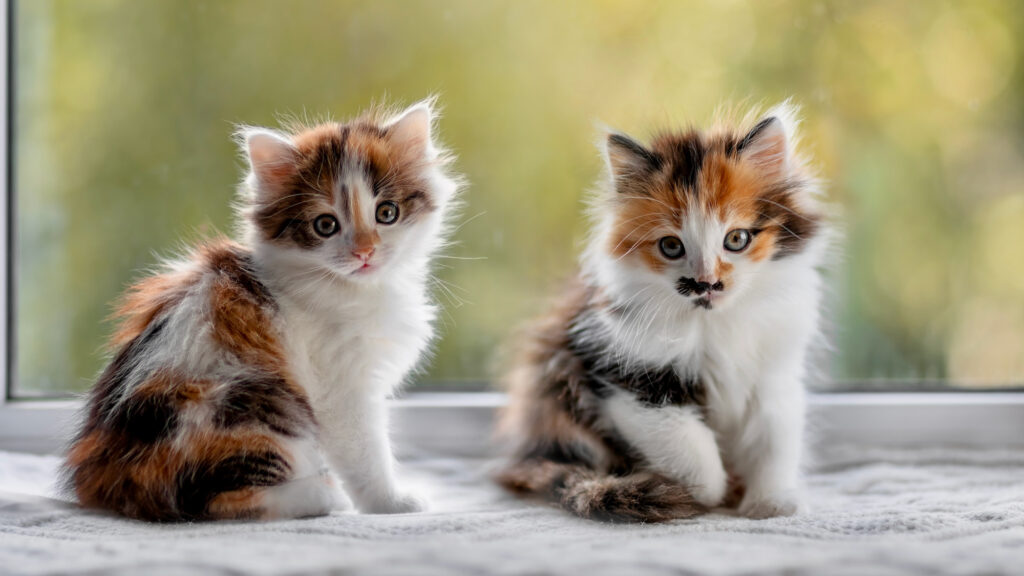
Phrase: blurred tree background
pixel 123 112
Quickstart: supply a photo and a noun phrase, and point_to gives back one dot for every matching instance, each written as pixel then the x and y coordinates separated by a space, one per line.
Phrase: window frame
pixel 460 423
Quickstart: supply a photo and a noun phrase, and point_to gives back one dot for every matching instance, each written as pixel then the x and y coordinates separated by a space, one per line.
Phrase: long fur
pixel 637 497
pixel 248 371
pixel 689 369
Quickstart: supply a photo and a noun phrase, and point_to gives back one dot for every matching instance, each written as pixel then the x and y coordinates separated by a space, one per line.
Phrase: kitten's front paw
pixel 710 489
pixel 342 502
pixel 402 503
pixel 771 506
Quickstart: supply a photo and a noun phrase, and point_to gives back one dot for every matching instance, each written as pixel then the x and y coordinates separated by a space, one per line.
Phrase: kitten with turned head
pixel 669 379
pixel 248 370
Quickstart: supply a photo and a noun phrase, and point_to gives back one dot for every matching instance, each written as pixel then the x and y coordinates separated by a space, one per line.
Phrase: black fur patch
pixel 687 286
pixel 413 205
pixel 266 399
pixel 103 406
pixel 201 482
pixel 644 159
pixel 654 386
pixel 300 232
pixel 793 227
pixel 754 133
pixel 687 159
pixel 563 453
pixel 236 264
pixel 147 418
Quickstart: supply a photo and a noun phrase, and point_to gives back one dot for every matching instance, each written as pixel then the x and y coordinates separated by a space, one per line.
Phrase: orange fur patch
pixel 733 192
pixel 146 300
pixel 169 386
pixel 762 246
pixel 241 326
pixel 725 186
pixel 241 504
pixel 140 481
pixel 133 482
pixel 723 272
pixel 240 308
pixel 641 221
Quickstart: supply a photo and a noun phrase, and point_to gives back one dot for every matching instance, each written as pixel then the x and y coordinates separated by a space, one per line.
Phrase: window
pixel 122 113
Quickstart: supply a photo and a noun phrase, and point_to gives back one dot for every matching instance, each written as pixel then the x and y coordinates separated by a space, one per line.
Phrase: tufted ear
pixel 629 161
pixel 271 157
pixel 410 131
pixel 767 146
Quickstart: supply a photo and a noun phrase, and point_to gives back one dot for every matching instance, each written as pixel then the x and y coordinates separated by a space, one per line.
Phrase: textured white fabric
pixel 872 512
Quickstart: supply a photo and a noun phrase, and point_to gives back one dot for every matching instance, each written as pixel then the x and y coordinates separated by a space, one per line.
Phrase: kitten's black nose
pixel 687 286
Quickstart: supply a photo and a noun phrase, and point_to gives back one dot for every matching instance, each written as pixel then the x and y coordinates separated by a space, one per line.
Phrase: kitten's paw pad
pixel 771 507
pixel 399 504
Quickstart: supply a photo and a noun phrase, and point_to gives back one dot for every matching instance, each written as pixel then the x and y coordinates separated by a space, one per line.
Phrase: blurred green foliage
pixel 914 110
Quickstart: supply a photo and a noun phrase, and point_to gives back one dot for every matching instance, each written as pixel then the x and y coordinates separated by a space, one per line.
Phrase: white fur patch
pixel 675 441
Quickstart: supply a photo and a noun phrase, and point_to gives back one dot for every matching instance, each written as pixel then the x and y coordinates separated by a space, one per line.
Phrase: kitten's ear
pixel 271 156
pixel 410 131
pixel 767 146
pixel 629 160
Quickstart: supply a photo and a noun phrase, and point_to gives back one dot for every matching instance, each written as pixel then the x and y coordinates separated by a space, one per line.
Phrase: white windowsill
pixel 461 424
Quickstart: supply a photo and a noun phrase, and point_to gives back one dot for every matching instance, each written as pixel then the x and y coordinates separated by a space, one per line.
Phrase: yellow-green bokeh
pixel 914 111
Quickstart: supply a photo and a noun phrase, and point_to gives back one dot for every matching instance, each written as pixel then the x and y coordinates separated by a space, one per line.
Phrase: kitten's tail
pixel 637 497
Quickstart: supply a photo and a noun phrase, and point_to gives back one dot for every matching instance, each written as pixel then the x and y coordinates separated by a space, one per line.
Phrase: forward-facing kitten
pixel 240 367
pixel 671 372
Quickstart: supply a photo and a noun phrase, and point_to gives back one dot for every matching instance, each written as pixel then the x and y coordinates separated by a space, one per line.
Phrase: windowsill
pixel 460 424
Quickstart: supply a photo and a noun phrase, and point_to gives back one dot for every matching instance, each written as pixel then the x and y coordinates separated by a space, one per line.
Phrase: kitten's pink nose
pixel 364 254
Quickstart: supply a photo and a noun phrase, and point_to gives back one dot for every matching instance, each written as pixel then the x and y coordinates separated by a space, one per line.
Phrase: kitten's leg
pixel 675 440
pixel 769 455
pixel 355 434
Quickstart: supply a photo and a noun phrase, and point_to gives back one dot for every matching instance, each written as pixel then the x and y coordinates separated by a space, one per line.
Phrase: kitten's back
pixel 196 416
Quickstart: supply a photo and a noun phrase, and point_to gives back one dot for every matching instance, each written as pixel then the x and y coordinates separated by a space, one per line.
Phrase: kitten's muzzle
pixel 688 286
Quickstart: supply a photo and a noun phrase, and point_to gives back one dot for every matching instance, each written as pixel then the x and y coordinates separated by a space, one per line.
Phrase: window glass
pixel 123 112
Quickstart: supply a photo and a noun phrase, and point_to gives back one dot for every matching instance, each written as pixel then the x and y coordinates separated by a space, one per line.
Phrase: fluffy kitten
pixel 240 367
pixel 671 372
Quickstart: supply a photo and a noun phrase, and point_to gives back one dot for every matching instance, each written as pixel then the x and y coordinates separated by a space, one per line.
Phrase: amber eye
pixel 325 225
pixel 387 212
pixel 671 247
pixel 737 240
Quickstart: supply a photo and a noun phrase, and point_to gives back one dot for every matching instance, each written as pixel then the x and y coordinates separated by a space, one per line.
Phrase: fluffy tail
pixel 637 497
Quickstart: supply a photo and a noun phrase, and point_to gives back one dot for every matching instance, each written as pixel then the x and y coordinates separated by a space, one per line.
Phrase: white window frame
pixel 460 423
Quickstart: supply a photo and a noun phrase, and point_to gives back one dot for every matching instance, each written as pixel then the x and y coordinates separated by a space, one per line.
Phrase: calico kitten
pixel 240 367
pixel 670 374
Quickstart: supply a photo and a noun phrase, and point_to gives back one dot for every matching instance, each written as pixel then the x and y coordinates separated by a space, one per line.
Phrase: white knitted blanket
pixel 872 512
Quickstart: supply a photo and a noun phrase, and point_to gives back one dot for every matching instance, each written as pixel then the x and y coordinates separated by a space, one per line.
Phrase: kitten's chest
pixel 724 360
pixel 366 342
pixel 732 363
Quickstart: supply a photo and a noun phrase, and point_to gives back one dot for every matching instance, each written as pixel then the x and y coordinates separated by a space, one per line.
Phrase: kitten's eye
pixel 671 247
pixel 737 240
pixel 387 212
pixel 325 225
